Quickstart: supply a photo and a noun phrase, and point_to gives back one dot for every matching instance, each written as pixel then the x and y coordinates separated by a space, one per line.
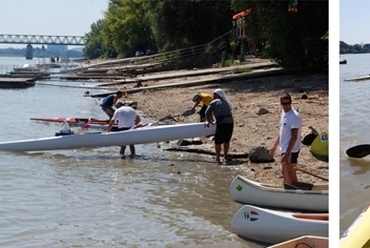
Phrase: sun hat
pixel 196 97
pixel 222 95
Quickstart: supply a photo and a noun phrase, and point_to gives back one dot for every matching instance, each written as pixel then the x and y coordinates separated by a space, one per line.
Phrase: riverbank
pixel 256 110
pixel 251 128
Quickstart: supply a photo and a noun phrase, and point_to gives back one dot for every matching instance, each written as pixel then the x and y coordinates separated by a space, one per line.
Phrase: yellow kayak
pixel 320 147
pixel 358 235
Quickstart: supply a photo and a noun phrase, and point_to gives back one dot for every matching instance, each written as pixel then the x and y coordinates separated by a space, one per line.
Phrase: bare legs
pixel 132 150
pixel 226 150
pixel 109 112
pixel 218 151
pixel 289 173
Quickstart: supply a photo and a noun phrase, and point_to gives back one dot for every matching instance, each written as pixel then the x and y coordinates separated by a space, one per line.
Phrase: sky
pixel 49 17
pixel 354 21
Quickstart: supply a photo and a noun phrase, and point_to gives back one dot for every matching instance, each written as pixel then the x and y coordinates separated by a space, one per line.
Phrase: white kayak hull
pixel 271 226
pixel 247 191
pixel 143 135
pixel 304 241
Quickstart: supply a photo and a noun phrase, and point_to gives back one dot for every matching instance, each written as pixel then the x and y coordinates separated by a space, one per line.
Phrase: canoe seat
pixel 299 185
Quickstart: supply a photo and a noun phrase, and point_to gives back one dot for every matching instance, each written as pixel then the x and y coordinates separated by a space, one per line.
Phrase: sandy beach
pixel 256 112
pixel 251 128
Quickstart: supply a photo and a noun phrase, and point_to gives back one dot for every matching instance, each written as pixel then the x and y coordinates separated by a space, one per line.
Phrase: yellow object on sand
pixel 320 147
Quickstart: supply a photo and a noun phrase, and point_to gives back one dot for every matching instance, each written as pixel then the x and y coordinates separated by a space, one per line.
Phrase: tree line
pixel 356 48
pixel 36 52
pixel 293 32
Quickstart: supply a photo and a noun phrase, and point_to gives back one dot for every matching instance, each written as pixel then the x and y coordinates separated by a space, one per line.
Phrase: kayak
pixel 143 135
pixel 357 235
pixel 247 191
pixel 72 120
pixel 271 226
pixel 304 241
pixel 320 147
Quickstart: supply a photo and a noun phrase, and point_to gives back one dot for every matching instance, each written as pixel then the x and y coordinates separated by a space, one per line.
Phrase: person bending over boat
pixel 220 108
pixel 109 102
pixel 127 118
pixel 289 139
pixel 205 99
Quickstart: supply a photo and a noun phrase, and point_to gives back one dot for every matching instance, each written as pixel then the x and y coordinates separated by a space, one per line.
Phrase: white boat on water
pixel 144 135
pixel 247 191
pixel 305 241
pixel 26 68
pixel 271 226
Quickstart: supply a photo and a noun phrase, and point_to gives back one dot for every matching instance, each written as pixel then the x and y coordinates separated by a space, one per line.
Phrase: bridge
pixel 42 39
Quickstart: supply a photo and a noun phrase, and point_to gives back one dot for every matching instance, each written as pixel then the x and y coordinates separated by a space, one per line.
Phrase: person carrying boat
pixel 289 139
pixel 127 118
pixel 220 108
pixel 205 99
pixel 109 102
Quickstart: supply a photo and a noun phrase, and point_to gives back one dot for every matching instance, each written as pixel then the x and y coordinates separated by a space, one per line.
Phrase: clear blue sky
pixel 49 17
pixel 354 21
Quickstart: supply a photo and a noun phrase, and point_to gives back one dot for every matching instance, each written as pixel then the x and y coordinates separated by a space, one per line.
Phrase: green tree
pixel 179 24
pixel 126 27
pixel 94 46
pixel 293 39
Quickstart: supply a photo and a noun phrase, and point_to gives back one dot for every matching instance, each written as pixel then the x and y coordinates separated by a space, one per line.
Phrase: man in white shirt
pixel 127 118
pixel 289 139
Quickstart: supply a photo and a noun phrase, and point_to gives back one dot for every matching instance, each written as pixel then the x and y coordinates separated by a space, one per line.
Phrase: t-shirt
pixel 206 99
pixel 125 116
pixel 221 110
pixel 108 101
pixel 288 121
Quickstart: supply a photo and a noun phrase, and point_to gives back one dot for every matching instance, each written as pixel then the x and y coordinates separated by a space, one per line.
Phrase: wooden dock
pixel 11 83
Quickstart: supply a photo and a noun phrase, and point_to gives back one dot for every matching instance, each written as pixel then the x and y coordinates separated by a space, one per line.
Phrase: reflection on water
pixel 363 166
pixel 354 130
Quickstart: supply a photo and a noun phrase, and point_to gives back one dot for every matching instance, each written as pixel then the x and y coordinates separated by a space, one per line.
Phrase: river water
pixel 92 197
pixel 354 130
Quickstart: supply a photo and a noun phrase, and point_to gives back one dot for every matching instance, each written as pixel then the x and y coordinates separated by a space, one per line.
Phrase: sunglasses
pixel 285 103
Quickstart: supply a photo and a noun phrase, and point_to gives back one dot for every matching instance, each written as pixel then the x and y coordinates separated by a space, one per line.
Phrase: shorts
pixel 224 131
pixel 293 157
pixel 202 111
pixel 106 107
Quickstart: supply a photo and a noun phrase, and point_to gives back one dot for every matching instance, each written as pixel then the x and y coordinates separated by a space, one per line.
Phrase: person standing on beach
pixel 109 102
pixel 127 118
pixel 205 99
pixel 220 109
pixel 289 139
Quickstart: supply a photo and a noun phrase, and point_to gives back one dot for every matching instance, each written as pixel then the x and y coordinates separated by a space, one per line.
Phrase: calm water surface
pixel 354 130
pixel 92 198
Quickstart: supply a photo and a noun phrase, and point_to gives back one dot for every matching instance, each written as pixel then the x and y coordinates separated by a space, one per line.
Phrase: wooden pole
pixel 312 174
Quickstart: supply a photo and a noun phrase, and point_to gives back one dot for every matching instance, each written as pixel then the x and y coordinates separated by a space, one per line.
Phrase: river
pixel 92 197
pixel 354 104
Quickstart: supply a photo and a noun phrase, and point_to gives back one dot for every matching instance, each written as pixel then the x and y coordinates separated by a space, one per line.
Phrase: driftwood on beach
pixel 203 151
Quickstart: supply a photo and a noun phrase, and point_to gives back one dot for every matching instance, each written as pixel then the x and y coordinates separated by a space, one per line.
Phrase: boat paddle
pixel 312 174
pixel 358 151
pixel 188 112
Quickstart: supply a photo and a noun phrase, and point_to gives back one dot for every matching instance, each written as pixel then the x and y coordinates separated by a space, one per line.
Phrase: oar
pixel 359 151
pixel 312 174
